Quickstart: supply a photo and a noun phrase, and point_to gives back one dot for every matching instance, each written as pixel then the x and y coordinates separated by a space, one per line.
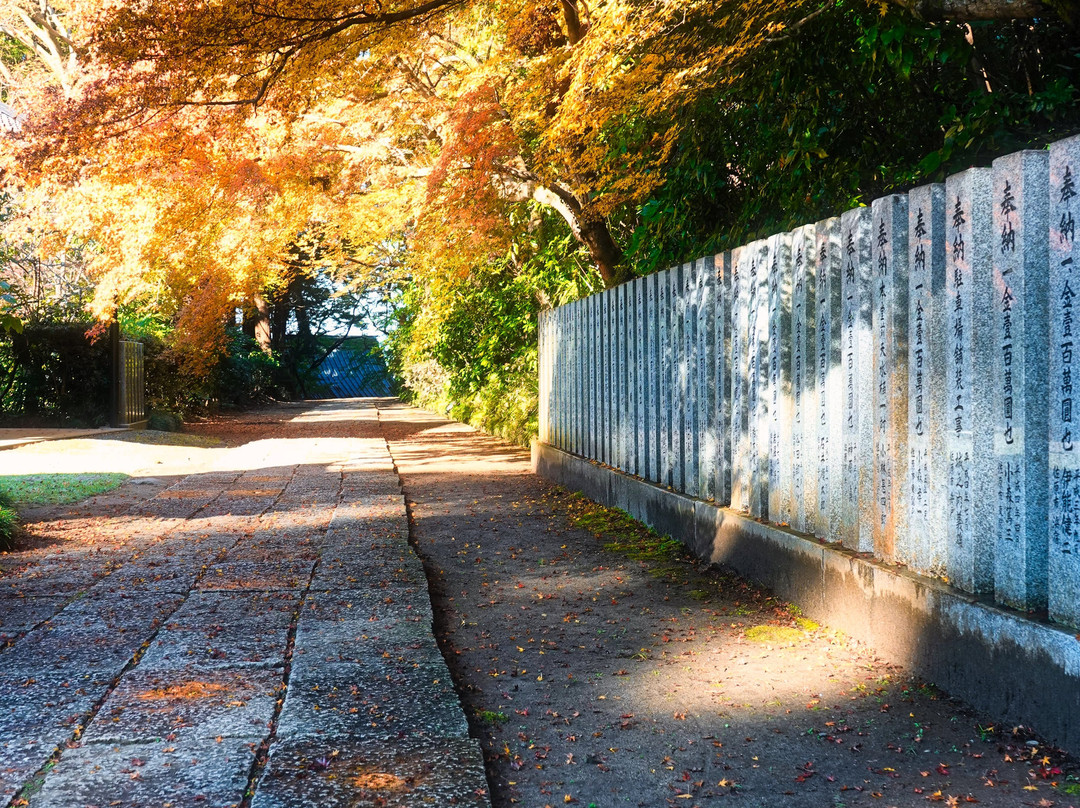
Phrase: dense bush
pixel 54 375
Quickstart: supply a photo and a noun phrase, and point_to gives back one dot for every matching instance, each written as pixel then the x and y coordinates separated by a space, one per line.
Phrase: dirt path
pixel 595 679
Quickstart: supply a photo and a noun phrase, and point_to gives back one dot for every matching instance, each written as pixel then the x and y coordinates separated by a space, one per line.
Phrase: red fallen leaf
pixel 943 770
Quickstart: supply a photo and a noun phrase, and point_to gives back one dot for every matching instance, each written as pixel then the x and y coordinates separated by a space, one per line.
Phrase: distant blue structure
pixel 354 370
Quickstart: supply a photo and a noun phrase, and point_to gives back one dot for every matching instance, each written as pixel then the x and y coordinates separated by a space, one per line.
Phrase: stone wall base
pixel 1009 665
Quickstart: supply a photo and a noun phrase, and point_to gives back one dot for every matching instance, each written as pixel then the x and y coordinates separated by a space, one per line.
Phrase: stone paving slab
pixel 169 774
pixel 369 701
pixel 188 704
pixel 403 774
pixel 214 629
pixel 175 577
pixel 19 614
pixel 257 575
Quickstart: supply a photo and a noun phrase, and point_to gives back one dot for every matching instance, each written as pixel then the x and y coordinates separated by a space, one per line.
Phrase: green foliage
pixel 54 375
pixel 861 101
pixel 9 526
pixel 8 320
pixel 163 421
pixel 56 489
pixel 466 346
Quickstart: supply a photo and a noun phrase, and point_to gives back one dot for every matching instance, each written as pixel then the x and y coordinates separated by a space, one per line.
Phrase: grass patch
pixel 492 717
pixel 774 635
pixel 626 535
pixel 56 489
pixel 9 522
pixel 152 437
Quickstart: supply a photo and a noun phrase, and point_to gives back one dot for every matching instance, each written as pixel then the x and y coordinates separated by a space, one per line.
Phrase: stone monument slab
pixel 652 393
pixel 738 364
pixel 1018 380
pixel 830 377
pixel 757 402
pixel 1064 455
pixel 970 478
pixel 803 388
pixel 927 416
pixel 778 378
pixel 856 334
pixel 889 259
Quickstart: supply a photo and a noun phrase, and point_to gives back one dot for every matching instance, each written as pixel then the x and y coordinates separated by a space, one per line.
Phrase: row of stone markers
pixel 898 379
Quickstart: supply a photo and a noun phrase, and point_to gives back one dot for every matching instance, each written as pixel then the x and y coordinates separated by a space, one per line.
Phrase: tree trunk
pixel 279 321
pixel 604 251
pixel 262 323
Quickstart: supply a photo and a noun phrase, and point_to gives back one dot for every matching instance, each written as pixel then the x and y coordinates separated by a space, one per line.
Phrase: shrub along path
pixel 257 631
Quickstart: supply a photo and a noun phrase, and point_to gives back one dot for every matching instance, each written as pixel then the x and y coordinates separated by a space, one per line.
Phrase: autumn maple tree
pixel 470 150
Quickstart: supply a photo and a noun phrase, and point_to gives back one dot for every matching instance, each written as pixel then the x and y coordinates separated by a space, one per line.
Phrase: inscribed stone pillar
pixel 604 393
pixel 626 375
pixel 721 333
pixel 757 401
pixel 927 416
pixel 652 393
pixel 1018 376
pixel 889 259
pixel 613 397
pixel 630 379
pixel 738 364
pixel 803 410
pixel 970 494
pixel 640 352
pixel 663 311
pixel 778 379
pixel 569 357
pixel 544 401
pixel 706 368
pixel 581 318
pixel 571 376
pixel 1064 505
pixel 829 377
pixel 676 309
pixel 595 355
pixel 857 344
pixel 690 389
pixel 584 359
pixel 614 342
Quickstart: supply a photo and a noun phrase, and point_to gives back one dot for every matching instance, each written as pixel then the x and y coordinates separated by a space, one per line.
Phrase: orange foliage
pixel 203 138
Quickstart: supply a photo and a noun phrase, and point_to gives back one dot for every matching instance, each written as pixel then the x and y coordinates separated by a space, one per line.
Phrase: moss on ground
pixel 774 635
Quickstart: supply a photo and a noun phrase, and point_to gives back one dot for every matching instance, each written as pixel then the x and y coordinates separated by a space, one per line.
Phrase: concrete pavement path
pixel 256 634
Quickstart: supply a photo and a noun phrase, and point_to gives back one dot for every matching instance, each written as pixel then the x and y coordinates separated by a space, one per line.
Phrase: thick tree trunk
pixel 520 185
pixel 574 29
pixel 279 321
pixel 262 323
pixel 604 251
